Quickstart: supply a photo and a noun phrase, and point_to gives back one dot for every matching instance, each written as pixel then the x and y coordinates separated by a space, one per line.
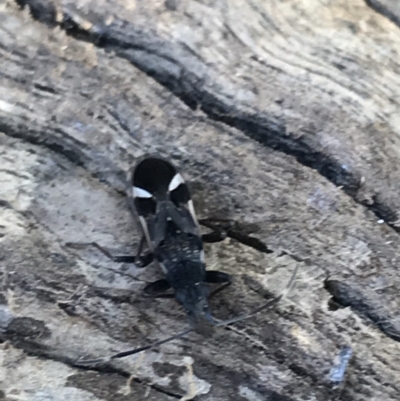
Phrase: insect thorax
pixel 178 246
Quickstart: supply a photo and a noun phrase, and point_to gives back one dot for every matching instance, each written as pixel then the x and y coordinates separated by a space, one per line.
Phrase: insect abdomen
pixel 179 247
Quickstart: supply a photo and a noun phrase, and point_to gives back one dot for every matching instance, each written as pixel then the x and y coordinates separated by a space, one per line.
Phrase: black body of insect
pixel 161 202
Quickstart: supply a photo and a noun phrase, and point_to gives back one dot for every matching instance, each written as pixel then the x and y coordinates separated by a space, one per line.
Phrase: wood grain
pixel 283 115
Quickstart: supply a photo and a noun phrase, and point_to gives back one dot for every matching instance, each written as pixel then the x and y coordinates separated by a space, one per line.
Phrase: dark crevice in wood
pixel 5 204
pixel 165 62
pixel 160 60
pixel 74 151
pixel 33 348
pixel 385 10
pixel 20 339
pixel 42 10
pixel 45 88
pixel 344 295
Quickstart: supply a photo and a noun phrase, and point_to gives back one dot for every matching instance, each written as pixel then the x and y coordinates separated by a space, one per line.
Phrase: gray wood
pixel 282 116
pixel 388 8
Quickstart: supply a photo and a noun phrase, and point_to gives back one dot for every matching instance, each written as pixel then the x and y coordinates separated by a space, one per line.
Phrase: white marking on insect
pixel 175 182
pixel 141 193
pixel 192 212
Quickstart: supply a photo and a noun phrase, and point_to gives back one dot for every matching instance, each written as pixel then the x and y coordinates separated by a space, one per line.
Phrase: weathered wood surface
pixel 283 116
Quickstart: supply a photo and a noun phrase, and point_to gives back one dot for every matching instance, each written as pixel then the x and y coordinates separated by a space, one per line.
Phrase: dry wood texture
pixel 284 117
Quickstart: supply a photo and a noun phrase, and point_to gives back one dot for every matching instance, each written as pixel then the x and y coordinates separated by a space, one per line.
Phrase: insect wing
pixel 184 219
pixel 159 193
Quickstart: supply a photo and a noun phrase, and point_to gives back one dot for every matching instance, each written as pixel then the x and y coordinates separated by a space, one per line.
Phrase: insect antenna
pixel 90 362
pixel 271 302
pixel 218 323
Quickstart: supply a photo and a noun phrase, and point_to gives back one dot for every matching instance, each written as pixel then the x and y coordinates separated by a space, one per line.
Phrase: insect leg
pixel 219 232
pixel 266 305
pixel 232 230
pixel 215 276
pixel 140 261
pixel 215 236
pixel 144 260
pixel 93 362
pixel 158 289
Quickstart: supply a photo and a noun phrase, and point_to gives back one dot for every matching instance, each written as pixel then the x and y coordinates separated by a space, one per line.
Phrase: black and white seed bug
pixel 160 200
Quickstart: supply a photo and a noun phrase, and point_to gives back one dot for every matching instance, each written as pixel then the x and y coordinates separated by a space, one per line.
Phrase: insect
pixel 161 202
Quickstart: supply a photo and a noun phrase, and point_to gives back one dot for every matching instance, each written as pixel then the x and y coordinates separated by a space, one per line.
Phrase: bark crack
pixel 385 10
pixel 345 295
pixel 38 350
pixel 165 63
